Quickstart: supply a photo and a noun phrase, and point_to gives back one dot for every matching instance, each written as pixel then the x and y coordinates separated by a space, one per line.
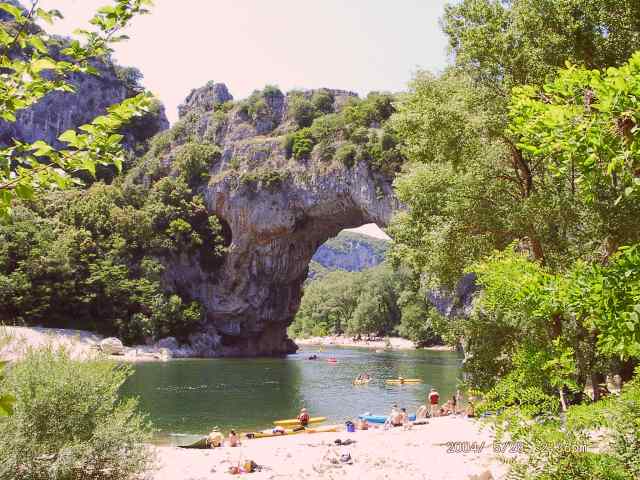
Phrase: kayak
pixel 200 444
pixel 291 431
pixel 274 433
pixel 381 418
pixel 397 381
pixel 292 422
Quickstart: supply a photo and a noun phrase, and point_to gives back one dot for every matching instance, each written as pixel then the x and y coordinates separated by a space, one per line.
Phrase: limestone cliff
pixel 349 251
pixel 60 111
pixel 277 207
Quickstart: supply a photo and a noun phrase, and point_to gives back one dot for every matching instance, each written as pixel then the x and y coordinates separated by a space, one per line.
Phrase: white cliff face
pixel 61 111
pixel 275 227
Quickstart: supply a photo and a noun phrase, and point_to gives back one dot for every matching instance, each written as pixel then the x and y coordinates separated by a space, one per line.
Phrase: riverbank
pixel 420 453
pixel 81 344
pixel 393 343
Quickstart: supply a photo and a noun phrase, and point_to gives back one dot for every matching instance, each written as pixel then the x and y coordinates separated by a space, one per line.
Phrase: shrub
pixel 326 151
pixel 257 103
pixel 327 127
pixel 303 111
pixel 346 154
pixel 299 144
pixel 322 101
pixel 267 178
pixel 193 161
pixel 69 422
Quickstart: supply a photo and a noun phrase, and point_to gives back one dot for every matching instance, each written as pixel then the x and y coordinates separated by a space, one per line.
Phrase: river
pixel 186 398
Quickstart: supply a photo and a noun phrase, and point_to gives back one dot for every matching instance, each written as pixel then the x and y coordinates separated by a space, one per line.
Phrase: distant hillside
pixel 348 251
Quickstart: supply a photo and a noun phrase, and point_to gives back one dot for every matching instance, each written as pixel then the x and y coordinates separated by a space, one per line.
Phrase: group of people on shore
pixel 450 407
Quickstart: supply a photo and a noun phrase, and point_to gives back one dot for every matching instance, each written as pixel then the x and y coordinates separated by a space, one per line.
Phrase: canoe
pixel 292 422
pixel 326 428
pixel 397 381
pixel 273 433
pixel 381 418
pixel 199 444
pixel 291 431
pixel 361 382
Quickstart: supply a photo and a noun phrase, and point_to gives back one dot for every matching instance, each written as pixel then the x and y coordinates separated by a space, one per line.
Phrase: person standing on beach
pixel 458 399
pixel 432 400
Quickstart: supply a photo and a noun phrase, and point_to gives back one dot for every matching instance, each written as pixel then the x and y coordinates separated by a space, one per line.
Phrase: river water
pixel 186 398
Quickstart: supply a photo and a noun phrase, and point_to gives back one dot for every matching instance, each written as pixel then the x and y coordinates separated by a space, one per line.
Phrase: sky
pixel 356 45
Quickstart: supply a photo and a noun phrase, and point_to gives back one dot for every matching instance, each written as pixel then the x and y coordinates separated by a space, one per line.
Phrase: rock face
pixel 350 251
pixel 276 212
pixel 458 303
pixel 60 111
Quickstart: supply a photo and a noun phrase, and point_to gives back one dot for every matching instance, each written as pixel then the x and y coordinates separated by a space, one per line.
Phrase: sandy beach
pixel 81 344
pixel 395 343
pixel 419 453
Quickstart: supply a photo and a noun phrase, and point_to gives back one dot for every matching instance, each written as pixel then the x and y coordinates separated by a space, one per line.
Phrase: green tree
pixel 30 71
pixel 70 422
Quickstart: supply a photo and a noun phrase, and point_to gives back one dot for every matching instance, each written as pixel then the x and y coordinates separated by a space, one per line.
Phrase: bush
pixel 193 161
pixel 322 101
pixel 299 144
pixel 346 154
pixel 303 111
pixel 69 422
pixel 327 127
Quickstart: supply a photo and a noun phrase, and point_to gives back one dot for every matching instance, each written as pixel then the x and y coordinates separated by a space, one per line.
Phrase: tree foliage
pixel 378 301
pixel 70 422
pixel 31 70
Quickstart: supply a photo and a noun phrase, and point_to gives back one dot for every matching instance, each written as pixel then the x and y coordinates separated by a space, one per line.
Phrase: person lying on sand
pixel 422 412
pixel 234 441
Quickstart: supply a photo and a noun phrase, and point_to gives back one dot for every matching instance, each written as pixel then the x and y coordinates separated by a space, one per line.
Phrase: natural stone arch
pixel 275 222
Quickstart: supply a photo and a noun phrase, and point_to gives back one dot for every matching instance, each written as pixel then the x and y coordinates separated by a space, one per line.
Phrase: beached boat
pixel 198 444
pixel 291 431
pixel 292 422
pixel 402 381
pixel 381 418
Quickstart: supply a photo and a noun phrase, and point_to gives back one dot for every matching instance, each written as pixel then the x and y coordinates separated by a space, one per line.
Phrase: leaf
pixel 41 148
pixel 25 191
pixel 12 10
pixel 70 137
pixel 37 43
pixel 6 405
pixel 43 64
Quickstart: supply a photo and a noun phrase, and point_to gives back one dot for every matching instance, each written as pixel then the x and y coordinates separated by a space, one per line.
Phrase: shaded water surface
pixel 188 397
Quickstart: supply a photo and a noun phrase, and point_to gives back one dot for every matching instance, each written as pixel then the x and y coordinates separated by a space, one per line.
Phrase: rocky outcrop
pixel 458 303
pixel 276 212
pixel 60 111
pixel 351 251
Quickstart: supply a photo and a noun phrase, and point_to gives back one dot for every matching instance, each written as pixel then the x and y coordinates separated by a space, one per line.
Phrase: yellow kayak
pixel 291 431
pixel 292 422
pixel 398 381
pixel 326 428
pixel 274 433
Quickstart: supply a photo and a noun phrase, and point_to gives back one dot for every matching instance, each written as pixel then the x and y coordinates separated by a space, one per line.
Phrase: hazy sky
pixel 359 45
